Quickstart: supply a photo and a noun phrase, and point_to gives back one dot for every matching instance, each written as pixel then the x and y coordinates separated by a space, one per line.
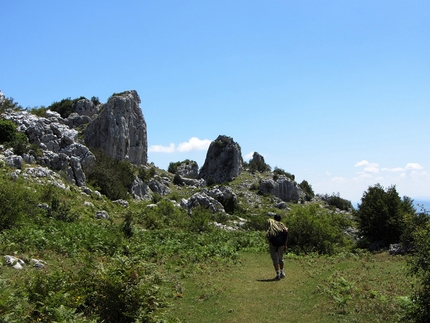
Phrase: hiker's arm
pixel 286 242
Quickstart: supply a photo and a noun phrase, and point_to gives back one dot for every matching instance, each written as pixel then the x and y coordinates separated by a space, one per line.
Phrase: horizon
pixel 335 93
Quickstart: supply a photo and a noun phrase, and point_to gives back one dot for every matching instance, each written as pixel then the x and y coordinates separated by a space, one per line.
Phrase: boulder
pixel 140 190
pixel 160 186
pixel 120 129
pixel 203 200
pixel 283 188
pixel 102 215
pixel 14 262
pixel 223 161
pixel 225 196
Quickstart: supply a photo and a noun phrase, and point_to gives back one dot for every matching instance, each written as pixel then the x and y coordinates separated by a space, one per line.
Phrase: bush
pixel 307 188
pixel 280 172
pixel 15 201
pixel 177 180
pixel 112 177
pixel 336 201
pixel 7 131
pixel 257 164
pixel 419 265
pixel 65 106
pixel 314 229
pixel 173 167
pixel 10 104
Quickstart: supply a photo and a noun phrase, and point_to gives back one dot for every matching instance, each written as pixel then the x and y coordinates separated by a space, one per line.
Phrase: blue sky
pixel 334 92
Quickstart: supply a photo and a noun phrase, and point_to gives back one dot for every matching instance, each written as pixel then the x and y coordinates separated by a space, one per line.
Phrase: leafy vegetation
pixel 317 230
pixel 150 263
pixel 307 188
pixel 173 166
pixel 336 201
pixel 9 103
pixel 112 177
pixel 381 215
pixel 258 165
pixel 280 172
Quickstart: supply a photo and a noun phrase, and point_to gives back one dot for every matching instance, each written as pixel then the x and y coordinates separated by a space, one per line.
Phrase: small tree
pixel 380 215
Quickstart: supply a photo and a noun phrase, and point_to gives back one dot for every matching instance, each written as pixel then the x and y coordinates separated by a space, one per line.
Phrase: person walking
pixel 277 236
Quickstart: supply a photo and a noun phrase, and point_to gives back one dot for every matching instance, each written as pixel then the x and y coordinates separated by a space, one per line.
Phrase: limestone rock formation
pixel 120 129
pixel 283 188
pixel 223 161
pixel 57 142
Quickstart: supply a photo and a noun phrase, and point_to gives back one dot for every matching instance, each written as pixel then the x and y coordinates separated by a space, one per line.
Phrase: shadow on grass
pixel 268 280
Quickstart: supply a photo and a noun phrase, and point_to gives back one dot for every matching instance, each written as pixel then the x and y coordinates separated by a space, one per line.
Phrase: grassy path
pixel 248 293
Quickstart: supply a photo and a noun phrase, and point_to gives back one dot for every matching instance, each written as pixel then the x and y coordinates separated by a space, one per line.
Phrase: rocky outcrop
pixel 120 129
pixel 225 196
pixel 223 161
pixel 202 200
pixel 283 188
pixel 188 170
pixel 58 144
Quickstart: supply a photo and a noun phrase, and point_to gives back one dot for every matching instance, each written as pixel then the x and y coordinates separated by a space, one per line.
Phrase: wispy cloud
pixel 370 170
pixel 191 145
pixel 248 156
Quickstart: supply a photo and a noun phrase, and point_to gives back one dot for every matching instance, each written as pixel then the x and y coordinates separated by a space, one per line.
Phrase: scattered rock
pixel 102 215
pixel 14 262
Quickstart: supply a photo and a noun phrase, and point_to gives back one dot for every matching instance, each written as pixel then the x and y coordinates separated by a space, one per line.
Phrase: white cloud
pixel 249 155
pixel 361 163
pixel 372 168
pixel 413 166
pixel 162 149
pixel 193 144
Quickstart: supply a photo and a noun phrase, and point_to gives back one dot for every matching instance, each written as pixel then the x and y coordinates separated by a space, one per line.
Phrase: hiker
pixel 277 235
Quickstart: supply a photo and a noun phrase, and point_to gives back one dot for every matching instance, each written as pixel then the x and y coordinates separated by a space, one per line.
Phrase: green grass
pixel 369 288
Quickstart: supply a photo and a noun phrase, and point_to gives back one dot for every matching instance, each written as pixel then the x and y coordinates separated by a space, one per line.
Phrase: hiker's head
pixel 277 217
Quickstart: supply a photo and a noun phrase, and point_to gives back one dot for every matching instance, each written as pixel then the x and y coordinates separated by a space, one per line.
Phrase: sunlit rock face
pixel 120 129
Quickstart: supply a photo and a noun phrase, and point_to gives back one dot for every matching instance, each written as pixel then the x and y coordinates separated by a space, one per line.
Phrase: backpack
pixel 279 239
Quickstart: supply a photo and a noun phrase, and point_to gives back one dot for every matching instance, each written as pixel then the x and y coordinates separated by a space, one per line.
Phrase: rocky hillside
pixel 68 140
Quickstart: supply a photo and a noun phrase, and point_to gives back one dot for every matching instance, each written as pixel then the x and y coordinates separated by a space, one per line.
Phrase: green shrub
pixel 173 167
pixel 336 201
pixel 16 201
pixel 7 131
pixel 419 266
pixel 145 174
pixel 314 229
pixel 280 172
pixel 65 106
pixel 10 104
pixel 177 180
pixel 258 165
pixel 112 177
pixel 307 188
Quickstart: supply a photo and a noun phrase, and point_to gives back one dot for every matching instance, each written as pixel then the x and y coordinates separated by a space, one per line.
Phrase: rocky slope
pixel 118 128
